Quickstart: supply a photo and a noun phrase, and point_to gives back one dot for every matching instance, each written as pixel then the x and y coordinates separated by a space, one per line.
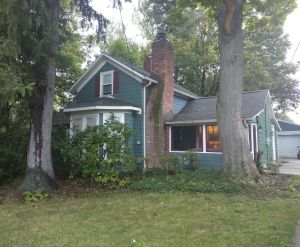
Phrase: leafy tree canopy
pixel 192 30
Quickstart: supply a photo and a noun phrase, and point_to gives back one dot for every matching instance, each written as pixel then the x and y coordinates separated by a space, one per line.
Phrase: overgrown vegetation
pixel 203 181
pixel 101 153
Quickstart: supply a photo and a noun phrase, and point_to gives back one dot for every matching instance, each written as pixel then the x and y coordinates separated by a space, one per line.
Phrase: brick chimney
pixel 160 99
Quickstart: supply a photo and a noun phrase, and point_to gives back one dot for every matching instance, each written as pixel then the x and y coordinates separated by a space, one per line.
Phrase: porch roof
pixel 103 103
pixel 204 109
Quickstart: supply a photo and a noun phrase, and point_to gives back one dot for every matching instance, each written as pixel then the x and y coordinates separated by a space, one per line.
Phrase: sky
pixel 291 28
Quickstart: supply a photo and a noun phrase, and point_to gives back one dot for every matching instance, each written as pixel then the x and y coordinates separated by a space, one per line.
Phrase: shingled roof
pixel 204 109
pixel 288 126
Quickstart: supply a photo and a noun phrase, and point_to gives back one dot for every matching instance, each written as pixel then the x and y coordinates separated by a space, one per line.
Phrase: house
pixel 288 139
pixel 165 117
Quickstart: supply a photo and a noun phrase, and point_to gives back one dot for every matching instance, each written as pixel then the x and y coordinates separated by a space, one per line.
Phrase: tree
pixel 194 36
pixel 126 50
pixel 35 29
pixel 237 160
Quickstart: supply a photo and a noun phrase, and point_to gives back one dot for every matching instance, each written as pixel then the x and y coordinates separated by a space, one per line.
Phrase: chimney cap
pixel 160 36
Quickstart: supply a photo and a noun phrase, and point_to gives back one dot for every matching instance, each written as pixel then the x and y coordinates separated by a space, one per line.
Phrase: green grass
pixel 151 219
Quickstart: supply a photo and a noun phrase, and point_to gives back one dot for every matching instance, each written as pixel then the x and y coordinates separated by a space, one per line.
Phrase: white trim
pixel 192 122
pixel 87 108
pixel 144 127
pixel 185 94
pixel 99 63
pixel 204 138
pixel 252 139
pixel 102 74
pixel 273 144
pixel 198 152
pixel 204 143
pixel 170 140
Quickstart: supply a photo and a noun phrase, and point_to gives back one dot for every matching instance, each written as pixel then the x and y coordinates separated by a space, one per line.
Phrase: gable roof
pixel 103 103
pixel 204 109
pixel 288 126
pixel 133 71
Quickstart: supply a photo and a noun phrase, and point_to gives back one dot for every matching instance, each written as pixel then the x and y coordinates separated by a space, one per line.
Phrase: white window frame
pixel 204 149
pixel 106 115
pixel 83 121
pixel 102 74
pixel 86 116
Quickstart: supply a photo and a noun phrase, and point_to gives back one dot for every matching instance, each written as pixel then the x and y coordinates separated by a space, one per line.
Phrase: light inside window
pixel 212 139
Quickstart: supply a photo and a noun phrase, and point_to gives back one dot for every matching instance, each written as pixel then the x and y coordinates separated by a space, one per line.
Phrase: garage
pixel 288 139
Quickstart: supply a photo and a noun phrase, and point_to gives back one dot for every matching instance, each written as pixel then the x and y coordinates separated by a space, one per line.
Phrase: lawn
pixel 151 219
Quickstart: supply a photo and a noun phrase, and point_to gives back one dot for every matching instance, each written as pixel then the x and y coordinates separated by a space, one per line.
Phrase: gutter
pixel 144 116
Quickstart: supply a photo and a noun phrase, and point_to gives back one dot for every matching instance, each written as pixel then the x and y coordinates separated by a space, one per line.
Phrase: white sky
pixel 291 28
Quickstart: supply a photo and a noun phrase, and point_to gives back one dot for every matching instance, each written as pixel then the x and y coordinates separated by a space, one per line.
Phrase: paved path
pixel 290 166
pixel 296 239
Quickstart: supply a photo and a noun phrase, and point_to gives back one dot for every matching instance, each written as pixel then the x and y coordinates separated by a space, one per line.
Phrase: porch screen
pixel 184 138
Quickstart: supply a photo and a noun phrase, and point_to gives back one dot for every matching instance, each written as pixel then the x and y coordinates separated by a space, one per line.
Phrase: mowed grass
pixel 151 219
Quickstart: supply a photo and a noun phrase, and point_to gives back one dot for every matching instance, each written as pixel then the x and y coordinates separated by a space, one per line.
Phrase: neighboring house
pixel 164 116
pixel 288 139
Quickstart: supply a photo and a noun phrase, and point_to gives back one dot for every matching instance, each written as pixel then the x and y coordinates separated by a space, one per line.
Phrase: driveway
pixel 290 166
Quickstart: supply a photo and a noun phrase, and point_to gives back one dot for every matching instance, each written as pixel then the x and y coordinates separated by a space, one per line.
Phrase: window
pixel 107 83
pixel 213 143
pixel 184 138
pixel 119 116
pixel 77 123
pixel 82 122
pixel 91 121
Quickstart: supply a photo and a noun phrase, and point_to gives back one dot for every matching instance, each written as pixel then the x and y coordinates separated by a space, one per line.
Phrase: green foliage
pixel 101 153
pixel 30 197
pixel 192 181
pixel 194 35
pixel 126 50
pixel 13 141
pixel 191 160
pixel 169 163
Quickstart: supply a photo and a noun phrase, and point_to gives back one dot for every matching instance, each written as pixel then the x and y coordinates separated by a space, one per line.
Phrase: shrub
pixel 191 160
pixel 169 163
pixel 13 148
pixel 101 153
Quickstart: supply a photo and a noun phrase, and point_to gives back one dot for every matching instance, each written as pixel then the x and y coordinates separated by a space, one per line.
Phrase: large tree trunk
pixel 237 159
pixel 40 174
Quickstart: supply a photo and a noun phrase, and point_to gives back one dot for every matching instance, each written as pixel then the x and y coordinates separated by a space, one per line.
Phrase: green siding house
pixel 164 116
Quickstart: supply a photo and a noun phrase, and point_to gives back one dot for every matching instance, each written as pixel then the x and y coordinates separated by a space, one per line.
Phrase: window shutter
pixel 116 82
pixel 97 85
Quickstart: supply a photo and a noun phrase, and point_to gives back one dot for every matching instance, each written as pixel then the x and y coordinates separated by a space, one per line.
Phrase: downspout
pixel 144 116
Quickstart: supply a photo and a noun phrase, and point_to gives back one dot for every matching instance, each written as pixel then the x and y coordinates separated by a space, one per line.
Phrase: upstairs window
pixel 107 83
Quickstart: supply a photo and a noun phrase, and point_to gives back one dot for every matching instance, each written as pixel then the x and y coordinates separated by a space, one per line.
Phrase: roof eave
pixel 84 77
pixel 185 94
pixel 88 108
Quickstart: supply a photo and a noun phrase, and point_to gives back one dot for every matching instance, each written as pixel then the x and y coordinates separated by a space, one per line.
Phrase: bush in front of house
pixel 101 153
